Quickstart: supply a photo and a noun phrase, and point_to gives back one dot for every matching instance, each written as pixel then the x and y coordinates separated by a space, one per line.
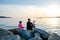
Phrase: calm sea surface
pixel 10 23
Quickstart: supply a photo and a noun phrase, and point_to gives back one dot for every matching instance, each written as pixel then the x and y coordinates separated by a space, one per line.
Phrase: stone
pixel 14 31
pixel 34 38
pixel 36 35
pixel 20 38
pixel 25 34
pixel 43 34
pixel 7 35
pixel 54 36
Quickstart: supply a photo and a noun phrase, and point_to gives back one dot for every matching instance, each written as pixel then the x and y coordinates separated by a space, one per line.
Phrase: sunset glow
pixel 53 10
pixel 31 9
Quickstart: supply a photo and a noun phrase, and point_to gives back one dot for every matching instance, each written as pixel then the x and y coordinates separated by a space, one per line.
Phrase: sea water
pixel 10 23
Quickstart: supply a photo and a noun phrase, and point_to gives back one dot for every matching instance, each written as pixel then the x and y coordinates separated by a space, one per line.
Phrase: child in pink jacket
pixel 20 26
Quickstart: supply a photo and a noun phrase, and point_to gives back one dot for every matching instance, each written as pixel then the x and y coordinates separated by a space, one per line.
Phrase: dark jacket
pixel 29 26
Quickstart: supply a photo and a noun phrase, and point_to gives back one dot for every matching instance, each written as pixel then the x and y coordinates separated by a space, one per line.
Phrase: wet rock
pixel 6 35
pixel 43 34
pixel 54 36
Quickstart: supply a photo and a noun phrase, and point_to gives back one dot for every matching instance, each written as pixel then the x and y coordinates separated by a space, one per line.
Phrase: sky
pixel 29 8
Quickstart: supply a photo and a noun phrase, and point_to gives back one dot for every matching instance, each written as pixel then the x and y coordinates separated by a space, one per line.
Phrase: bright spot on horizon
pixel 53 21
pixel 53 10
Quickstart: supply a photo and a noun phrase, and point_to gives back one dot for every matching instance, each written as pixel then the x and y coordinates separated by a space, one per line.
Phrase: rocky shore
pixel 36 34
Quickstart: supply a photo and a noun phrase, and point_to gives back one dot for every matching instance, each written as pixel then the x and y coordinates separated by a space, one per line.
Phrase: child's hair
pixel 20 21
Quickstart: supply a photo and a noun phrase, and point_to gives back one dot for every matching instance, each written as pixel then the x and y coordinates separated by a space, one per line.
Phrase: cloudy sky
pixel 29 8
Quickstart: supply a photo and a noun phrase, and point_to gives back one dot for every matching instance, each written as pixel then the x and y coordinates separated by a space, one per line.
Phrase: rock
pixel 34 38
pixel 20 37
pixel 36 35
pixel 25 34
pixel 54 36
pixel 14 31
pixel 43 34
pixel 6 35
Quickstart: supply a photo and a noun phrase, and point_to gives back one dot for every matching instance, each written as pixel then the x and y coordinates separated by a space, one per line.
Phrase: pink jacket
pixel 20 26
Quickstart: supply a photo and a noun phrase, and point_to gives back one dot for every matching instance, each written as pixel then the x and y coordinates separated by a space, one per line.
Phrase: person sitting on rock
pixel 33 24
pixel 29 24
pixel 20 26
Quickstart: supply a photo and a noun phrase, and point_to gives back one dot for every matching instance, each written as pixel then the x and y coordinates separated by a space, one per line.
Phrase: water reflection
pixel 48 24
pixel 53 21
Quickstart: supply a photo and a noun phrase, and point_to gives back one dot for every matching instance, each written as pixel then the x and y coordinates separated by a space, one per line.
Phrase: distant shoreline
pixel 4 17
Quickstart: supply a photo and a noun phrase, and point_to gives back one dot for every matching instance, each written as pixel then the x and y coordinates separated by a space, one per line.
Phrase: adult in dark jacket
pixel 29 25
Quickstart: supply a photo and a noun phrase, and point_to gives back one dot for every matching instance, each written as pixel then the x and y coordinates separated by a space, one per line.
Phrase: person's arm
pixel 18 26
pixel 22 26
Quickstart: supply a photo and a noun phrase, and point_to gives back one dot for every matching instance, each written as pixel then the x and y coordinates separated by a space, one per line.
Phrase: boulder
pixel 14 31
pixel 37 35
pixel 24 34
pixel 54 36
pixel 6 35
pixel 20 37
pixel 43 34
pixel 34 38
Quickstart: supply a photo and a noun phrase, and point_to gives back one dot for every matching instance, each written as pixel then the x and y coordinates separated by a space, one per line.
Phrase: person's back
pixel 20 25
pixel 29 25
